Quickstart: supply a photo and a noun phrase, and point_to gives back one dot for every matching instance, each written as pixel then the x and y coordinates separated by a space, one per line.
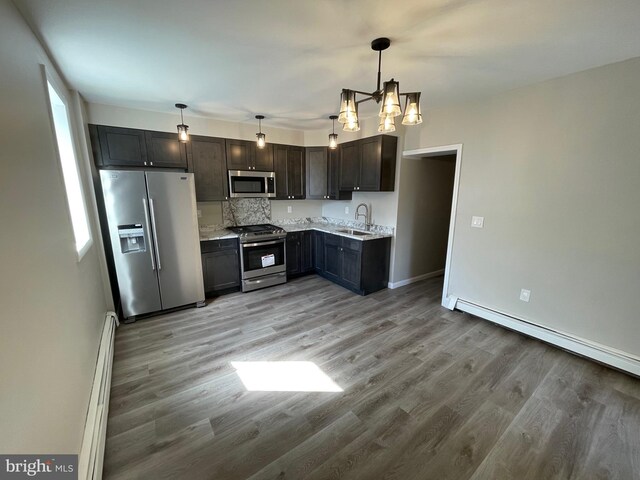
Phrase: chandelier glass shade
pixel 412 115
pixel 387 124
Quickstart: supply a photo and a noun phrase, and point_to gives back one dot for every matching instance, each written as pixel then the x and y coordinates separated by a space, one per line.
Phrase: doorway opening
pixel 429 179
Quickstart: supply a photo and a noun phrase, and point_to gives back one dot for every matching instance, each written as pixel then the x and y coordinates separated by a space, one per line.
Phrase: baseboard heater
pixel 95 431
pixel 595 351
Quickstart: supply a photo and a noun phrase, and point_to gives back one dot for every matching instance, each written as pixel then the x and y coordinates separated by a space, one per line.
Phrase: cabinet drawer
pixel 216 245
pixel 352 244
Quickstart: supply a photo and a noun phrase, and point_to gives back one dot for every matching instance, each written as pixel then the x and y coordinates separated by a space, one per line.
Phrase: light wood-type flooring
pixel 427 394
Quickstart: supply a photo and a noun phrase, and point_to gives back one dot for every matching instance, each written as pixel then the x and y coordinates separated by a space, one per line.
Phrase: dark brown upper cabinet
pixel 128 147
pixel 369 164
pixel 165 150
pixel 208 162
pixel 263 158
pixel 289 166
pixel 245 155
pixel 317 173
pixel 322 174
pixel 118 147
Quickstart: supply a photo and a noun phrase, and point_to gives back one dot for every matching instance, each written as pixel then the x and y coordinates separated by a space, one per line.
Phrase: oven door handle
pixel 259 244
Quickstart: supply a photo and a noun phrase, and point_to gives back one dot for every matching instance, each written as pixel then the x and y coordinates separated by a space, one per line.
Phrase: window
pixel 70 171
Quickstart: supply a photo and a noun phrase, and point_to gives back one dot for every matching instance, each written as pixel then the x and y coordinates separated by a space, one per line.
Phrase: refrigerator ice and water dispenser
pixel 131 238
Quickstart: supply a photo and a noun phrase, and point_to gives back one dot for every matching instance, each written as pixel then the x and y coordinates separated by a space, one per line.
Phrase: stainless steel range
pixel 262 255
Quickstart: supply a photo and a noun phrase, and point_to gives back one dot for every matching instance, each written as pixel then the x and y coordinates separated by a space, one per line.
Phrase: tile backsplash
pixel 252 211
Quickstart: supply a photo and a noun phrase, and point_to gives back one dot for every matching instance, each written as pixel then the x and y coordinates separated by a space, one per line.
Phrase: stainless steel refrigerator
pixel 153 227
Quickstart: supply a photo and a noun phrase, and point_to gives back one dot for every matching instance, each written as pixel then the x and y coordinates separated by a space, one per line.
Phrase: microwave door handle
pixel 146 220
pixel 155 232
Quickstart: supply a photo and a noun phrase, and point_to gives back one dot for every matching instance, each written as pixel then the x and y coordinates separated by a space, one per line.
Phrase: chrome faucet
pixel 366 215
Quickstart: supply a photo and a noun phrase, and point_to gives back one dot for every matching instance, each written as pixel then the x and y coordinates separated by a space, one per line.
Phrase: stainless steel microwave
pixel 252 184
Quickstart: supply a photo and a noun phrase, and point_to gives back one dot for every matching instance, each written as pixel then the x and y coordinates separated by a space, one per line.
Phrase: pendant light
pixel 183 130
pixel 261 137
pixel 412 115
pixel 333 136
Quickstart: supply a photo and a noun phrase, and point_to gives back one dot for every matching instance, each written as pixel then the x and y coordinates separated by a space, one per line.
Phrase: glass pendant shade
pixel 333 141
pixel 348 108
pixel 390 99
pixel 352 126
pixel 387 124
pixel 183 133
pixel 412 115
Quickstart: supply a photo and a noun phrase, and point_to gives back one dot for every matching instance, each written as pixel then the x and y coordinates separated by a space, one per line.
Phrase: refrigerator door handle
pixel 155 233
pixel 146 219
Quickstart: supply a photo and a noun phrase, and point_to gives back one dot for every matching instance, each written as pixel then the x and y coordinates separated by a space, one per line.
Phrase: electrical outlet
pixel 346 210
pixel 525 295
pixel 477 222
pixel 289 209
pixel 199 213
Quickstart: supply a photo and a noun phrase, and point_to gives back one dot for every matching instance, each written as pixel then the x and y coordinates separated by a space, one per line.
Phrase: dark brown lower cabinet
pixel 220 266
pixel 318 251
pixel 360 266
pixel 299 253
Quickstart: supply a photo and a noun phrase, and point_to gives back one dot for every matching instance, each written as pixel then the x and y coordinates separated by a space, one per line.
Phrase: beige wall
pixel 554 170
pixel 424 210
pixel 53 306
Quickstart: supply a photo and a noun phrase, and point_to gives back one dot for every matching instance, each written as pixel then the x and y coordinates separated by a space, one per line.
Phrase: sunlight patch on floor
pixel 284 377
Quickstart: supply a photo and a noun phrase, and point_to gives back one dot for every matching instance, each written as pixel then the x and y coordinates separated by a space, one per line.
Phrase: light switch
pixel 289 209
pixel 346 210
pixel 199 213
pixel 525 295
pixel 477 222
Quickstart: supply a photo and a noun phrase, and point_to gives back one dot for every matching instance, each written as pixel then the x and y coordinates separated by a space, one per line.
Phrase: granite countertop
pixel 330 228
pixel 216 234
pixel 219 232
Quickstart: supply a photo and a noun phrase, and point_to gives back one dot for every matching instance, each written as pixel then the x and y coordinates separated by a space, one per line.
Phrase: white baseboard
pixel 601 353
pixel 95 430
pixel 402 283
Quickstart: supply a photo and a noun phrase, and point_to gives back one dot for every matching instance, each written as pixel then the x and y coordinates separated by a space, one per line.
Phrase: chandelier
pixel 389 97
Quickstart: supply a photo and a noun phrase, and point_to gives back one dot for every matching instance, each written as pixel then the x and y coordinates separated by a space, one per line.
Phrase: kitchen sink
pixel 351 231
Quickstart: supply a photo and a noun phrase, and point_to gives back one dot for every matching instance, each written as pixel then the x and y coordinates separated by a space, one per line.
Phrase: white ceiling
pixel 289 59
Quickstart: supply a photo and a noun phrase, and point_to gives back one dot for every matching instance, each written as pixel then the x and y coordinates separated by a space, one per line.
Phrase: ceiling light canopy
pixel 261 137
pixel 388 95
pixel 183 130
